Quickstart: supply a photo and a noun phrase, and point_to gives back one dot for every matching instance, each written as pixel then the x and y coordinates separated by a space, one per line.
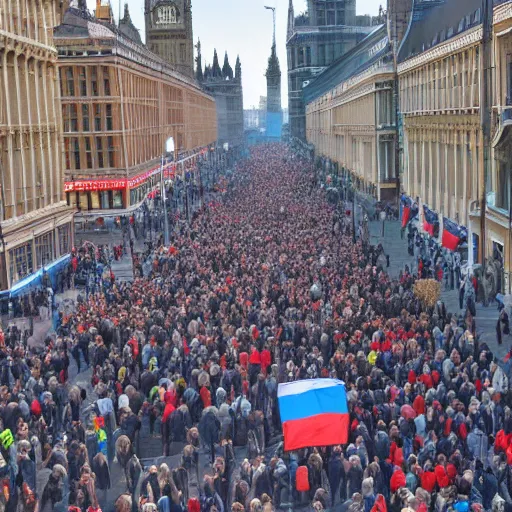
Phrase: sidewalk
pixel 486 317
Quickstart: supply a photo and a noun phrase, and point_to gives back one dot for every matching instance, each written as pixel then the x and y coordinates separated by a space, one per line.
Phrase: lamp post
pixel 169 148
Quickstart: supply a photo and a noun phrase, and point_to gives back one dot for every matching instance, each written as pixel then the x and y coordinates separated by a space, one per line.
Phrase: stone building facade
pixel 169 32
pixel 120 102
pixel 35 221
pixel 440 98
pixel 315 40
pixel 351 115
pixel 226 87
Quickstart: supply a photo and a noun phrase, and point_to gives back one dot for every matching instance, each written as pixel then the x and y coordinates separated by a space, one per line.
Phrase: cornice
pixel 346 92
pixel 454 45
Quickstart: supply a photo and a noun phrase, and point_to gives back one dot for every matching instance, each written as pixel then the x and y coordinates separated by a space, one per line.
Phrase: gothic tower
pixel 273 75
pixel 169 32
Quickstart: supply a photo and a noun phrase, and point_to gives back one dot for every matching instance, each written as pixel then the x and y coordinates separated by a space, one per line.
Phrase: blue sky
pixel 241 27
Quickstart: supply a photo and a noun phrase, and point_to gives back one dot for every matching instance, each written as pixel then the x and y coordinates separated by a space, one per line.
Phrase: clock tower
pixel 169 32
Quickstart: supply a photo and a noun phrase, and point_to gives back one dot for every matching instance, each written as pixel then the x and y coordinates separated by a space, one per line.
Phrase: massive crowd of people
pixel 264 286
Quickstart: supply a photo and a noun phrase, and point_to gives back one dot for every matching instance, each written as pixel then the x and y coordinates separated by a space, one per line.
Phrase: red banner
pixel 94 185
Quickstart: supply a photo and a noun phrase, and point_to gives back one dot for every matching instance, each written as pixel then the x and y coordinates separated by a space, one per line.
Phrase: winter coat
pixel 209 428
pixel 478 444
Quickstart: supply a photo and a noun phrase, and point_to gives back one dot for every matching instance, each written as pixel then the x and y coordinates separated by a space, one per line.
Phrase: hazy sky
pixel 241 27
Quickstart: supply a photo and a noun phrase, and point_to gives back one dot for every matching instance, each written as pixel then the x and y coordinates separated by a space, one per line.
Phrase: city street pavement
pixel 486 317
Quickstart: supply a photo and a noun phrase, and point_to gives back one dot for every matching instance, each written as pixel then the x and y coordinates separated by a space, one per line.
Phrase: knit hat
pixel 35 408
pixel 397 480
pixel 193 505
pixel 441 476
pixel 428 481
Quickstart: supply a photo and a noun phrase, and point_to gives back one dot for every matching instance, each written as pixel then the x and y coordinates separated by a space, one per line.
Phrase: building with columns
pixel 314 40
pixel 35 221
pixel 439 105
pixel 120 102
pixel 351 116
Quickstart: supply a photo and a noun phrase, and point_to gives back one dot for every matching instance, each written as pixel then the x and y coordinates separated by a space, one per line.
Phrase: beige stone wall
pixel 119 126
pixel 31 188
pixel 354 126
pixel 439 102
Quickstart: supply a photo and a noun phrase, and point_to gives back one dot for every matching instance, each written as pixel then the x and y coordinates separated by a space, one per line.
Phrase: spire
pixel 291 20
pixel 199 64
pixel 238 69
pixel 273 63
pixel 227 70
pixel 216 71
pixel 126 18
pixel 207 72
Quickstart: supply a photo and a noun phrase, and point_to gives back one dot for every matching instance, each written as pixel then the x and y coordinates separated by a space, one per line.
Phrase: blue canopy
pixel 27 283
pixel 57 266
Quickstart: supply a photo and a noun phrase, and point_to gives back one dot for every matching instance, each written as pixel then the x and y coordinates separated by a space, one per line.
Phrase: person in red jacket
pixel 266 359
pixel 254 365
pixel 206 396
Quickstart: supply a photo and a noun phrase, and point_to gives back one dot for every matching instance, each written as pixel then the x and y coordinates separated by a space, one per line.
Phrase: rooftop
pixel 369 51
pixel 436 21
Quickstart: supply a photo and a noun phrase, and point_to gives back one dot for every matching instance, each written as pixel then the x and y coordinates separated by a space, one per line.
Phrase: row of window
pixel 34 254
pixel 77 118
pixel 326 54
pixel 102 200
pixel 84 81
pixel 449 83
pixel 89 152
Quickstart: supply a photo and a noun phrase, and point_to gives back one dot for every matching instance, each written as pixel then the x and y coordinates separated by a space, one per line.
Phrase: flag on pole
pixel 313 412
pixel 429 220
pixel 451 234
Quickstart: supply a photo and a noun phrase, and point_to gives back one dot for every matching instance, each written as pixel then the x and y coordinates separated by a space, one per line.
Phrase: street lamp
pixel 169 148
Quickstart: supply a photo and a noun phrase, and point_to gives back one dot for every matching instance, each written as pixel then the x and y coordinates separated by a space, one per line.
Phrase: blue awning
pixel 55 267
pixel 27 283
pixel 59 264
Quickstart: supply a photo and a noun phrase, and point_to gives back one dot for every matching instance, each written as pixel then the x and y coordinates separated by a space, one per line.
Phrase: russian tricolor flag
pixel 313 413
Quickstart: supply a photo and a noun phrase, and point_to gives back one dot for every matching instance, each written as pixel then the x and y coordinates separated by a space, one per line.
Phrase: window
pixel 321 55
pixel 104 200
pixel 340 17
pixel 83 201
pixel 62 80
pixel 20 262
pixel 320 17
pixel 110 148
pixel 73 118
pixel 308 56
pixel 94 81
pixel 106 81
pixel 109 117
pixel 83 81
pixel 301 57
pixel 76 151
pixel 331 20
pixel 293 57
pixel 70 81
pixel 44 249
pixel 88 152
pixel 118 199
pixel 64 239
pixel 97 117
pixel 65 117
pixel 85 118
pixel 99 149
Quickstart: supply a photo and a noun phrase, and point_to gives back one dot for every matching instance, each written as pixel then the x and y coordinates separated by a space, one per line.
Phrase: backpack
pixel 302 479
